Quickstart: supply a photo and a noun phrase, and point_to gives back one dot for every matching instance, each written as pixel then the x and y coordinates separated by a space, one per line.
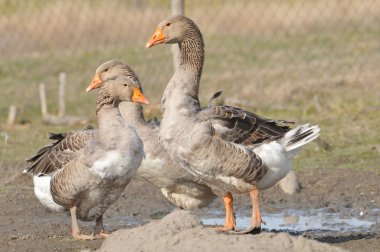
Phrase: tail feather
pixel 298 137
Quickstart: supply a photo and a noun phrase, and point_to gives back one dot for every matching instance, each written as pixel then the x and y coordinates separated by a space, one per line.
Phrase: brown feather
pixel 242 127
pixel 54 156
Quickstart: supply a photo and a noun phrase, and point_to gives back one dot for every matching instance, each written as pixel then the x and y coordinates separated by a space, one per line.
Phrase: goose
pixel 85 171
pixel 257 160
pixel 178 186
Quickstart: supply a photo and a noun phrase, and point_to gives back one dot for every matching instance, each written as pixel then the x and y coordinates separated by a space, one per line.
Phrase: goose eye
pixel 105 70
pixel 168 24
pixel 125 85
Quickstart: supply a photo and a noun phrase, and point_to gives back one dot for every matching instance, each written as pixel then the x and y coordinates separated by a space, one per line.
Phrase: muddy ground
pixel 27 226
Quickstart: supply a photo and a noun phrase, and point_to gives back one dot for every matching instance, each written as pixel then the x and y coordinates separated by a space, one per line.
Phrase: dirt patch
pixel 182 231
pixel 27 226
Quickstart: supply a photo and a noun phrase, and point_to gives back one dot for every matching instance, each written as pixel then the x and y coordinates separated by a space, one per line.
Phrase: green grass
pixel 322 73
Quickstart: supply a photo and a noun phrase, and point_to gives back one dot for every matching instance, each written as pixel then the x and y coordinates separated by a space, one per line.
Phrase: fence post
pixel 177 9
pixel 61 94
pixel 12 115
pixel 44 110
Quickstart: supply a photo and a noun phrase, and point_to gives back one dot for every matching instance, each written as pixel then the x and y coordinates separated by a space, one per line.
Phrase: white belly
pixel 116 164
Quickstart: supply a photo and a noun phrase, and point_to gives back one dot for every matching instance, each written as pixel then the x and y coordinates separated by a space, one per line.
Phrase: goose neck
pixel 185 81
pixel 109 121
pixel 133 114
pixel 191 55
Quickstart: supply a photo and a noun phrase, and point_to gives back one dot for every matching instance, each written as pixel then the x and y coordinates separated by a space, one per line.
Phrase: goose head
pixel 111 70
pixel 172 30
pixel 120 88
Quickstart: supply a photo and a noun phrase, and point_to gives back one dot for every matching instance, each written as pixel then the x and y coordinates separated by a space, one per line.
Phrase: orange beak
pixel 137 96
pixel 95 83
pixel 158 37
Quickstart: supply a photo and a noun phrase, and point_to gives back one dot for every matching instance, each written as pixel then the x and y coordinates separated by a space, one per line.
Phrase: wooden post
pixel 12 115
pixel 44 109
pixel 61 94
pixel 177 9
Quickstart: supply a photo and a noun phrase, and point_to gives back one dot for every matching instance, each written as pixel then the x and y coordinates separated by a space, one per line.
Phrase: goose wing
pixel 54 156
pixel 242 127
pixel 228 160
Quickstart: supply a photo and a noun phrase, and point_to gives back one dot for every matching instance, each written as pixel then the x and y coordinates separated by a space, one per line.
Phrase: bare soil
pixel 27 226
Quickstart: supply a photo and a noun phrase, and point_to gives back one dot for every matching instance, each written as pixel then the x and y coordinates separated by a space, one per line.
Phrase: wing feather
pixel 54 156
pixel 242 127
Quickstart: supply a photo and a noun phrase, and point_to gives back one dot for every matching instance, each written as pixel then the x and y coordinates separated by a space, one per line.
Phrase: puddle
pixel 292 221
pixel 299 221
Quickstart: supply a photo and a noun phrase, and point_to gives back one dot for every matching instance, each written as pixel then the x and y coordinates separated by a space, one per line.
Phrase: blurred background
pixel 314 61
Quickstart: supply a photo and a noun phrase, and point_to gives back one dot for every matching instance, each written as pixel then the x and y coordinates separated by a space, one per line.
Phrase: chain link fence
pixel 260 52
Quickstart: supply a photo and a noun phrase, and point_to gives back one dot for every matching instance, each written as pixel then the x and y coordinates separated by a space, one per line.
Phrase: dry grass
pixel 304 60
pixel 73 25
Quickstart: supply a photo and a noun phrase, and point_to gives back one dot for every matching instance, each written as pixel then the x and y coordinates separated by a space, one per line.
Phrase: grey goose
pixel 243 159
pixel 87 170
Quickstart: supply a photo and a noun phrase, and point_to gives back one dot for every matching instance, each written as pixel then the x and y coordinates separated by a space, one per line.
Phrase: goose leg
pixel 255 228
pixel 256 215
pixel 100 232
pixel 75 227
pixel 230 215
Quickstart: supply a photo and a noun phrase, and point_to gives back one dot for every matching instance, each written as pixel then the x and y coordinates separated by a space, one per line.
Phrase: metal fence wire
pixel 252 46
